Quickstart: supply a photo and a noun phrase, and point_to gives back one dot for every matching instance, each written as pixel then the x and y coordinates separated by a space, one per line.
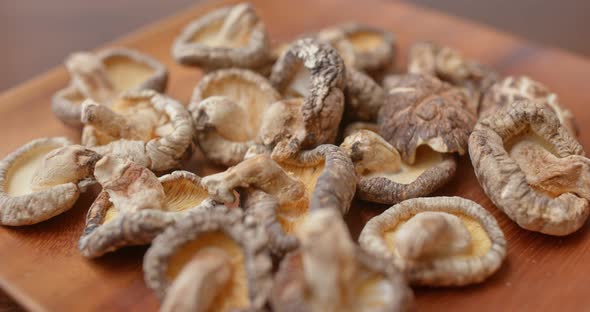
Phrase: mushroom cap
pixel 25 207
pixel 107 230
pixel 159 259
pixel 512 88
pixel 364 97
pixel 505 183
pixel 381 189
pixel 289 289
pixel 443 271
pixel 322 70
pixel 422 110
pixel 249 92
pixel 334 189
pixel 158 154
pixel 66 103
pixel 252 52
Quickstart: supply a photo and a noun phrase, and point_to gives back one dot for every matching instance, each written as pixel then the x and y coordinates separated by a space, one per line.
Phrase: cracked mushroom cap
pixel 42 179
pixel 280 194
pixel 532 168
pixel 424 111
pixel 437 241
pixel 102 77
pixel 363 47
pixel 330 273
pixel 449 65
pixel 214 261
pixel 146 127
pixel 511 89
pixel 135 206
pixel 313 73
pixel 232 36
pixel 383 176
pixel 228 108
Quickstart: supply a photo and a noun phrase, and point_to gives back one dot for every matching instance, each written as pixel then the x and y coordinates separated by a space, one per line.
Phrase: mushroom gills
pixel 126 73
pixel 180 195
pixel 235 295
pixel 291 215
pixel 300 83
pixel 21 173
pixel 364 41
pixel 426 158
pixel 480 242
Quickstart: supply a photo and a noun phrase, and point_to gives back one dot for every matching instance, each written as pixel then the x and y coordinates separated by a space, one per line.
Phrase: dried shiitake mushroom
pixel 212 261
pixel 385 178
pixel 363 96
pixel 449 65
pixel 135 205
pixel 532 168
pixel 312 74
pixel 331 273
pixel 281 194
pixel 511 89
pixel 231 36
pixel 362 47
pixel 228 108
pixel 437 241
pixel 424 113
pixel 146 127
pixel 42 179
pixel 102 77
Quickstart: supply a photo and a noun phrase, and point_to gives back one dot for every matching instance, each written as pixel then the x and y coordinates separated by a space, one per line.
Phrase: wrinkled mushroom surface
pixel 314 73
pixel 42 179
pixel 228 109
pixel 330 273
pixel 449 65
pixel 135 205
pixel 280 194
pixel 424 111
pixel 511 89
pixel 102 77
pixel 231 36
pixel 437 241
pixel 212 261
pixel 364 97
pixel 385 178
pixel 148 128
pixel 532 168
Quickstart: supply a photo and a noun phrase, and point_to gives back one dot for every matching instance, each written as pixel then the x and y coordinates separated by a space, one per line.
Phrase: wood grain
pixel 41 268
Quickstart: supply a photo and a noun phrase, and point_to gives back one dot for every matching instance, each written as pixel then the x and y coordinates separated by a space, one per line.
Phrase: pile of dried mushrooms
pixel 301 129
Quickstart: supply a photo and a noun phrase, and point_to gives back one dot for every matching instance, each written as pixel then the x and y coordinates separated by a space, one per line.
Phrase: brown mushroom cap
pixel 479 259
pixel 108 229
pixel 449 65
pixel 504 180
pixel 170 130
pixel 364 97
pixel 126 70
pixel 511 89
pixel 241 238
pixel 232 36
pixel 314 71
pixel 422 110
pixel 31 190
pixel 384 178
pixel 330 273
pixel 228 106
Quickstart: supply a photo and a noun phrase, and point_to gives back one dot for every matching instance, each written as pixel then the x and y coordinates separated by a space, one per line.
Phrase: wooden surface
pixel 40 265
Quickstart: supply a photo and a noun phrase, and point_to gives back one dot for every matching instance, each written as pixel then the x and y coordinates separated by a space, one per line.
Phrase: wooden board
pixel 40 265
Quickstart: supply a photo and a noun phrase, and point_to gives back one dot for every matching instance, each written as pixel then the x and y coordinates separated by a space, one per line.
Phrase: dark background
pixel 36 35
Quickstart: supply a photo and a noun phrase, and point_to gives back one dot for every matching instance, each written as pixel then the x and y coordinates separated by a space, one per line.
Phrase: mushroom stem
pixel 226 116
pixel 199 282
pixel 130 186
pixel 260 172
pixel 371 153
pixel 239 18
pixel 90 77
pixel 550 173
pixel 329 260
pixel 106 120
